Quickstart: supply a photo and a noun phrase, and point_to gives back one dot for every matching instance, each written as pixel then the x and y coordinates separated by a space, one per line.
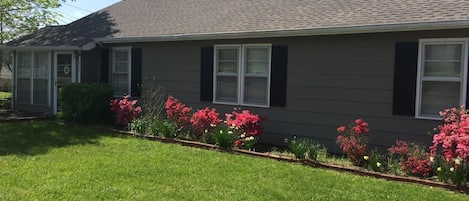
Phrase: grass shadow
pixel 33 138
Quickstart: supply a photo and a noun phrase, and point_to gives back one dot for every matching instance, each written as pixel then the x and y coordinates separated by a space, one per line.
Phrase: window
pixel 32 77
pixel 242 74
pixel 441 80
pixel 121 71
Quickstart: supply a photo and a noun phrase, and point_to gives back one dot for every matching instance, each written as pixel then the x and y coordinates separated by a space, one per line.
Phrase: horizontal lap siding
pixel 331 80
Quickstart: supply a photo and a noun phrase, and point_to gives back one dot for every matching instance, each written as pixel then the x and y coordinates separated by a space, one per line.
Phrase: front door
pixel 64 73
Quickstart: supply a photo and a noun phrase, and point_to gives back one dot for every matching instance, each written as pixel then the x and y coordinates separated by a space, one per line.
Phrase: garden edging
pixel 307 162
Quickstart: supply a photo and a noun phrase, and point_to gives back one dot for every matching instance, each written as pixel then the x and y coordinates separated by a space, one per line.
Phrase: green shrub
pixel 86 103
pixel 224 137
pixel 162 127
pixel 303 148
pixel 140 125
pixel 5 85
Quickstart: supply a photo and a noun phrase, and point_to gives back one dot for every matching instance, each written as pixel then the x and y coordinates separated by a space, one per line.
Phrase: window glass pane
pixel 41 65
pixel 122 66
pixel 228 54
pixel 257 54
pixel 120 84
pixel 24 64
pixel 41 92
pixel 442 68
pixel 255 91
pixel 437 96
pixel 121 55
pixel 228 66
pixel 257 60
pixel 443 52
pixel 23 90
pixel 228 60
pixel 227 90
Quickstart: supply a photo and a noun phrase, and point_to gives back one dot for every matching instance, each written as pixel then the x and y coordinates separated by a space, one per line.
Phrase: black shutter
pixel 278 82
pixel 136 72
pixel 206 74
pixel 105 65
pixel 405 78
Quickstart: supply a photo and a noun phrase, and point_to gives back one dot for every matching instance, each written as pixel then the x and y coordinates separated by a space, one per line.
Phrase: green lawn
pixel 4 95
pixel 50 161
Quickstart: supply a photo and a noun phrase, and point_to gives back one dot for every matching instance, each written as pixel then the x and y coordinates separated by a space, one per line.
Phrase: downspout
pixel 79 66
pixel 13 81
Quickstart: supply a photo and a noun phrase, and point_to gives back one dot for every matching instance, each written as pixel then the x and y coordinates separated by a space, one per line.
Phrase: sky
pixel 74 10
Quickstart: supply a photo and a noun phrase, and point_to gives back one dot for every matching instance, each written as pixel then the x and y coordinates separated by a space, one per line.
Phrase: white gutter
pixel 421 26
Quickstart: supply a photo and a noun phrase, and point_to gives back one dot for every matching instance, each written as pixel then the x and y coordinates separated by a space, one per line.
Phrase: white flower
pixel 221 131
pixel 378 164
pixel 206 131
pixel 213 125
pixel 242 135
pixel 366 157
pixel 451 169
pixel 432 158
pixel 457 161
pixel 438 169
pixel 250 138
pixel 230 132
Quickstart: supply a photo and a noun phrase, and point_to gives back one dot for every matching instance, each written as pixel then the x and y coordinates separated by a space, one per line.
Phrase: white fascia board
pixel 39 47
pixel 295 32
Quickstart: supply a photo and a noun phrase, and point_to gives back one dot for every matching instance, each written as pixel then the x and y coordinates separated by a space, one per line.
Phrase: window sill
pixel 236 104
pixel 434 118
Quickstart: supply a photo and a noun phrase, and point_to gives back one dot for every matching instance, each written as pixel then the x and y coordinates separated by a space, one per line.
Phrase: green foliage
pixel 303 148
pixel 19 17
pixel 86 103
pixel 162 127
pixel 224 136
pixel 5 85
pixel 140 125
pixel 376 162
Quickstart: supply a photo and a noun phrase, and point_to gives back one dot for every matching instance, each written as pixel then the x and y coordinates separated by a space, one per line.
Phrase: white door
pixel 64 73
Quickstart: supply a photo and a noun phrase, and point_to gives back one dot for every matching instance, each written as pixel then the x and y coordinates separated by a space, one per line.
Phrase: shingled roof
pixel 146 20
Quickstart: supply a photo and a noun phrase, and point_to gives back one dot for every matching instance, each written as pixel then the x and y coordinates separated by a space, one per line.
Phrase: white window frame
pixel 129 68
pixel 241 75
pixel 31 77
pixel 420 74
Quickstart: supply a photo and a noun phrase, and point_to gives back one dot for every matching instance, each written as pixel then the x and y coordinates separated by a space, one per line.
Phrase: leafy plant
pixel 303 148
pixel 126 110
pixel 353 140
pixel 163 128
pixel 375 161
pixel 140 125
pixel 224 136
pixel 86 103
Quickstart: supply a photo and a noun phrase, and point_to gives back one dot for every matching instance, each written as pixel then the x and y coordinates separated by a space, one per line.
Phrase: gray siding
pixel 331 80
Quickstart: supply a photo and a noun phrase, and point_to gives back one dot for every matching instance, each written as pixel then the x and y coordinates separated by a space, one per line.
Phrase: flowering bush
pixel 204 121
pixel 126 110
pixel 414 160
pixel 248 127
pixel 353 140
pixel 246 122
pixel 452 143
pixel 178 112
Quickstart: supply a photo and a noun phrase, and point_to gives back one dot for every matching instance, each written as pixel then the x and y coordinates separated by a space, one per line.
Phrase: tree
pixel 19 17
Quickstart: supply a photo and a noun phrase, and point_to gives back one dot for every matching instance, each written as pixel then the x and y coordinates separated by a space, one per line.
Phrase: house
pixel 309 66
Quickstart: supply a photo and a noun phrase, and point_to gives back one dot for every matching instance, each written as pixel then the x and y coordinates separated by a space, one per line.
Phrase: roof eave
pixel 422 26
pixel 3 47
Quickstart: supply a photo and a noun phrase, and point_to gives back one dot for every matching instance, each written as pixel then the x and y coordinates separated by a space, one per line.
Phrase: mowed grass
pixel 4 95
pixel 51 161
